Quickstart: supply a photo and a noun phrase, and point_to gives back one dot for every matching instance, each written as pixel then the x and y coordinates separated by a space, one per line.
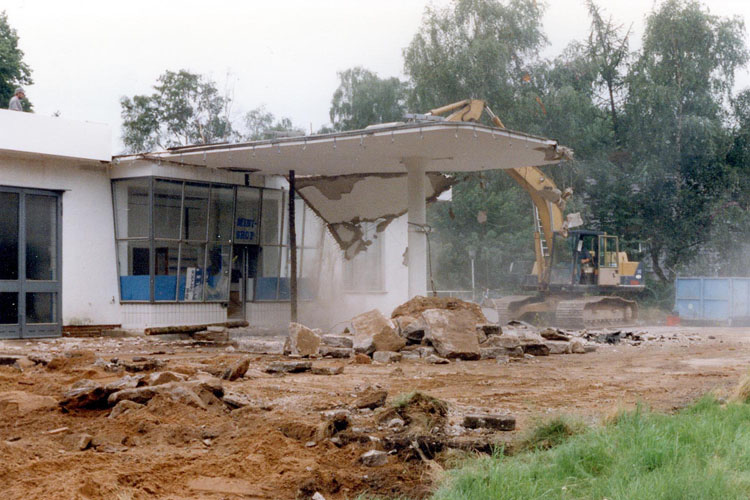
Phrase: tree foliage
pixel 14 72
pixel 362 99
pixel 185 108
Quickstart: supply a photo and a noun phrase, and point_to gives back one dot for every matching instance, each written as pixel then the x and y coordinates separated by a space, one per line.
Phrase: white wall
pixel 36 134
pixel 334 306
pixel 89 275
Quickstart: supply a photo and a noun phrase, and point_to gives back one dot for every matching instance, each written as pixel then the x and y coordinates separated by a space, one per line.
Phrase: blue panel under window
pixel 164 287
pixel 265 289
pixel 134 287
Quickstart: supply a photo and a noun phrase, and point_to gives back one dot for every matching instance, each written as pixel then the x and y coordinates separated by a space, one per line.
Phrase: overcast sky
pixel 283 54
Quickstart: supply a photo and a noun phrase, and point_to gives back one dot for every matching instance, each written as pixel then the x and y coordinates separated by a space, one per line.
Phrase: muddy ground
pixel 272 448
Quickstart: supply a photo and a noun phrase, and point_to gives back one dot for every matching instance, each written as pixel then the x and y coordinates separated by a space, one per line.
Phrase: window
pixel 173 239
pixel 364 272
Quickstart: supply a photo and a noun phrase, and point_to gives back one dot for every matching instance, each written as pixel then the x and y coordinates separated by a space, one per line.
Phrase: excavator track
pixel 507 307
pixel 593 312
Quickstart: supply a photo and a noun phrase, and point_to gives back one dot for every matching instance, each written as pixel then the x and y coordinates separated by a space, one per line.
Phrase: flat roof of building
pixel 442 146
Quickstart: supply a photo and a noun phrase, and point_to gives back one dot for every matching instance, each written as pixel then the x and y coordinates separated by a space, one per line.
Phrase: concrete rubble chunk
pixel 159 378
pixel 40 359
pixel 260 346
pixel 411 328
pixel 77 441
pixel 318 496
pixel 495 422
pixel 554 334
pixel 481 336
pixel 123 407
pixel 289 367
pixel 366 326
pixel 140 395
pixel 328 370
pixel 212 334
pixel 388 340
pixel 374 458
pixel 237 370
pixel 492 352
pixel 558 346
pixel 490 329
pixel 361 359
pixel 371 399
pixel 126 382
pixel 436 360
pixel 142 366
pixel 85 394
pixel 21 403
pixel 236 399
pixel 452 333
pixel 417 305
pixel 426 351
pixel 507 340
pixel 589 347
pixel 536 349
pixel 344 341
pixel 302 341
pixel 410 355
pixel 577 345
pixel 23 363
pixel 336 352
pixel 386 357
pixel 8 360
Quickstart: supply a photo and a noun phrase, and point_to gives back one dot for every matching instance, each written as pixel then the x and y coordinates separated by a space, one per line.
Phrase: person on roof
pixel 16 102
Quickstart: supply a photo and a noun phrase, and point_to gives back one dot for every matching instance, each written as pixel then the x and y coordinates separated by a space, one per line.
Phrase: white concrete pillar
pixel 417 217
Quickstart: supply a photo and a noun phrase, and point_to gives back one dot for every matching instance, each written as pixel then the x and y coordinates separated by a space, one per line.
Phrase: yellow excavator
pixel 574 269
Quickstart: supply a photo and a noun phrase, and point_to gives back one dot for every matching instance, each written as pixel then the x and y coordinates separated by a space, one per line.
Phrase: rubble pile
pixel 436 330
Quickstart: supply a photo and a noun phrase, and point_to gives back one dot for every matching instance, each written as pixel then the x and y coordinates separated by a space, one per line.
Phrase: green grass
pixel 702 452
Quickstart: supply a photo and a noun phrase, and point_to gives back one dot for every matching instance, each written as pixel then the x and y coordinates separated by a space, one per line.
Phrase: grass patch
pixel 554 432
pixel 702 452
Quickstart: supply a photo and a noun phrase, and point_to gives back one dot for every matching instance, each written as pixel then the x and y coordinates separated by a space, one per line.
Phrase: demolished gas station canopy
pixel 378 173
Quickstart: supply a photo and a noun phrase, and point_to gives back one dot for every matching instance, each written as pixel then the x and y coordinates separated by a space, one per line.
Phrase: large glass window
pixel 9 240
pixel 175 240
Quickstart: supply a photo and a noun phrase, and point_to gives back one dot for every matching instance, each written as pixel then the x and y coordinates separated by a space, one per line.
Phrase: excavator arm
pixel 549 202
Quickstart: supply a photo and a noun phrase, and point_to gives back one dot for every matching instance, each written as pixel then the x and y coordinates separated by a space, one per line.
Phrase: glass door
pixel 30 233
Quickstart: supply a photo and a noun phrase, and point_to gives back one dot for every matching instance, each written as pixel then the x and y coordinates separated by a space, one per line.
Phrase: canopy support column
pixel 417 218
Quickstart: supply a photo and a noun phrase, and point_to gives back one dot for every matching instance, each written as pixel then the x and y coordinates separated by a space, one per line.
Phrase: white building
pixel 199 235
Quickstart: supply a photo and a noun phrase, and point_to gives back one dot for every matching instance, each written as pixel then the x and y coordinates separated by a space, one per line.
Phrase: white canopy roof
pixel 444 147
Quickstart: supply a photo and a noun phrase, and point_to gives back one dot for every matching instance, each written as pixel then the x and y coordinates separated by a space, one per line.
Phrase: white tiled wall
pixel 140 316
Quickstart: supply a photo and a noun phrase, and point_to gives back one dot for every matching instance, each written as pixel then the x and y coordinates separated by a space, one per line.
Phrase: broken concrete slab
pixel 159 378
pixel 142 366
pixel 436 360
pixel 85 394
pixel 419 304
pixel 452 333
pixel 558 346
pixel 412 328
pixel 361 359
pixel 536 349
pixel 492 352
pixel 336 352
pixel 77 441
pixel 236 399
pixel 237 370
pixel 302 341
pixel 327 370
pixel 388 340
pixel 577 345
pixel 426 351
pixel 260 346
pixel 343 341
pixel 366 326
pixel 371 399
pixel 495 422
pixel 289 367
pixel 554 334
pixel 386 357
pixel 490 329
pixel 123 407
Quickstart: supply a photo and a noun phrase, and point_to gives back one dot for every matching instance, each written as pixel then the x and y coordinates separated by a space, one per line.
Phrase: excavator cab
pixel 587 260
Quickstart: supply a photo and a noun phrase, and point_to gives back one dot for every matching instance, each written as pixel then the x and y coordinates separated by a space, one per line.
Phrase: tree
pixel 362 99
pixel 677 90
pixel 14 72
pixel 474 48
pixel 261 124
pixel 185 108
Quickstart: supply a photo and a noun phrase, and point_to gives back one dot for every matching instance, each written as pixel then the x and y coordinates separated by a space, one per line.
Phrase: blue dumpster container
pixel 714 300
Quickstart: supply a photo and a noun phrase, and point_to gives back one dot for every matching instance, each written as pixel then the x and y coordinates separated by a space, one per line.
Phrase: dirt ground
pixel 270 449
